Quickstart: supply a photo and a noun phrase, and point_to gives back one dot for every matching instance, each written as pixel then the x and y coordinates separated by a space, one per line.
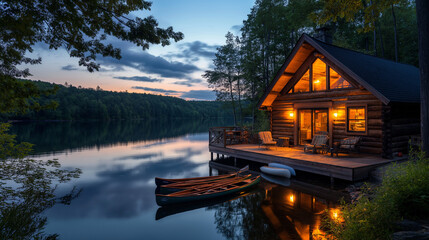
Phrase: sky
pixel 174 70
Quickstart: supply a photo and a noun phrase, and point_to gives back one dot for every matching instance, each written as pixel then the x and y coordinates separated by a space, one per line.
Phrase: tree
pixel 422 7
pixel 80 26
pixel 225 78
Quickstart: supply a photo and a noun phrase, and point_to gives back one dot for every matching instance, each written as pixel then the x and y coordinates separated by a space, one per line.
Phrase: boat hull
pixel 281 172
pixel 163 200
pixel 279 165
pixel 164 181
pixel 277 180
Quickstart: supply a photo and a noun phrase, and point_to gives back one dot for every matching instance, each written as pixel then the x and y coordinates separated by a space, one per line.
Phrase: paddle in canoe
pixel 175 187
pixel 206 192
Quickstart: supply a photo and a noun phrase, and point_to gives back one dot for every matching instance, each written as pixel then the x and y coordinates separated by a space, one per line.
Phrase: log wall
pixel 401 120
pixel 372 141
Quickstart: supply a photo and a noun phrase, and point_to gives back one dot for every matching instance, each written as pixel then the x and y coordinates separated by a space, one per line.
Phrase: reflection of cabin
pixel 326 88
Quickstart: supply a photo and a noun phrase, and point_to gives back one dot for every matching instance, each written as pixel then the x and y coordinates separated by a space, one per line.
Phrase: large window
pixel 303 85
pixel 356 119
pixel 336 81
pixel 319 77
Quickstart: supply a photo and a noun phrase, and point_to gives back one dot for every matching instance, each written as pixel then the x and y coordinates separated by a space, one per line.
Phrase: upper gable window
pixel 337 81
pixel 319 75
pixel 303 85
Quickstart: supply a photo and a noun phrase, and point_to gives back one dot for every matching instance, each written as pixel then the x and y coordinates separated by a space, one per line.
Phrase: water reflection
pixel 123 185
pixel 292 211
pixel 118 201
pixel 59 136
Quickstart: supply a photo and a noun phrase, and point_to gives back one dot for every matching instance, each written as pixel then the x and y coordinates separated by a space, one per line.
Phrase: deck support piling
pixel 211 156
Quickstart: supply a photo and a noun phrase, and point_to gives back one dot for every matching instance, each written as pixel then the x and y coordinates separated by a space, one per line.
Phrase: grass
pixel 403 193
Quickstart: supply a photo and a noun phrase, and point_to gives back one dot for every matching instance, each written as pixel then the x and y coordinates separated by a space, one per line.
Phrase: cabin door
pixel 310 122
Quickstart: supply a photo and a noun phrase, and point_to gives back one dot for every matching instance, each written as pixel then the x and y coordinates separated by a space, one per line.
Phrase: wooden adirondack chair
pixel 266 139
pixel 347 145
pixel 319 142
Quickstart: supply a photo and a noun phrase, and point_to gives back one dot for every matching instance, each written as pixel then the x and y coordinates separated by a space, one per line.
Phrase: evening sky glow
pixel 174 70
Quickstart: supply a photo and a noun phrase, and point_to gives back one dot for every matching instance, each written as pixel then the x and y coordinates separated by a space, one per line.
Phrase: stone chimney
pixel 323 34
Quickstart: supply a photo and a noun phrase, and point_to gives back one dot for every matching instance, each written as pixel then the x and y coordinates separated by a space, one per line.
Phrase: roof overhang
pixel 302 50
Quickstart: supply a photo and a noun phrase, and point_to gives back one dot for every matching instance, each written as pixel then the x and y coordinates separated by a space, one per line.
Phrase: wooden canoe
pixel 165 181
pixel 175 187
pixel 281 172
pixel 206 192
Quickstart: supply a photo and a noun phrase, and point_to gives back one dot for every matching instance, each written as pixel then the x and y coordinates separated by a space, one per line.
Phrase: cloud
pixel 139 79
pixel 200 95
pixel 150 64
pixel 69 68
pixel 188 82
pixel 236 28
pixel 192 51
pixel 158 90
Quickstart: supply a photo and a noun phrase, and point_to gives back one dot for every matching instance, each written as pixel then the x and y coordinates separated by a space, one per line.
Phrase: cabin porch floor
pixel 351 167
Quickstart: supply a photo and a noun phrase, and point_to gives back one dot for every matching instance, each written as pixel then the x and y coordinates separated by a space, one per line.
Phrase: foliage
pixel 27 188
pixel 20 96
pixel 403 193
pixel 80 26
pixel 244 67
pixel 225 78
pixel 76 103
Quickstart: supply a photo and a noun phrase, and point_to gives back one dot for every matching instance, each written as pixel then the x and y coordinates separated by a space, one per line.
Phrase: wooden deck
pixel 351 167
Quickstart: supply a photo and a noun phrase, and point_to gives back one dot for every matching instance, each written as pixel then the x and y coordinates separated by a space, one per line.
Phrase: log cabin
pixel 322 87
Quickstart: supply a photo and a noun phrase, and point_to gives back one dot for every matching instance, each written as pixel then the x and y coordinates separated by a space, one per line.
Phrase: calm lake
pixel 120 159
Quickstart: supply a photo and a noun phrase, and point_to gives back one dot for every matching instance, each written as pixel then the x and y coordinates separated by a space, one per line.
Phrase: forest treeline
pixel 76 103
pixel 246 64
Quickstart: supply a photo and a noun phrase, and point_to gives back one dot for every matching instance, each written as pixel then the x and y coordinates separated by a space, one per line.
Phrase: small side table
pixel 283 142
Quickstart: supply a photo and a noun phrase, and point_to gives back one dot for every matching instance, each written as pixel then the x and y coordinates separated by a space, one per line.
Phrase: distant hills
pixel 76 103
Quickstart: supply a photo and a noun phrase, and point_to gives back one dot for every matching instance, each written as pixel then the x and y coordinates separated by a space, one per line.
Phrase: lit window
pixel 337 81
pixel 356 119
pixel 303 85
pixel 319 75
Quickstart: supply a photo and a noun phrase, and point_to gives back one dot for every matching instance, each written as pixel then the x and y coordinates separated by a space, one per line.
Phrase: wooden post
pixel 332 180
pixel 217 156
pixel 422 8
pixel 211 156
pixel 210 171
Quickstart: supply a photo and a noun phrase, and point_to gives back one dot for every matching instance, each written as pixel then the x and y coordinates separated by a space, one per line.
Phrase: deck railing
pixel 222 136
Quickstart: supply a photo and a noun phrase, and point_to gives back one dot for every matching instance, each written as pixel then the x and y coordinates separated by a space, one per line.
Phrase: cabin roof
pixel 387 80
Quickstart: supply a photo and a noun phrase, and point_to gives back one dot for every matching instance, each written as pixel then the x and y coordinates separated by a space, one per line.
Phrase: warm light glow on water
pixel 118 201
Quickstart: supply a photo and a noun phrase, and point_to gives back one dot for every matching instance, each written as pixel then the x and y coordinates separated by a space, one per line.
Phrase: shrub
pixel 403 193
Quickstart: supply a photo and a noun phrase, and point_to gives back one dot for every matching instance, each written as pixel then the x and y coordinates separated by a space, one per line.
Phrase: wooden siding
pixel 372 141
